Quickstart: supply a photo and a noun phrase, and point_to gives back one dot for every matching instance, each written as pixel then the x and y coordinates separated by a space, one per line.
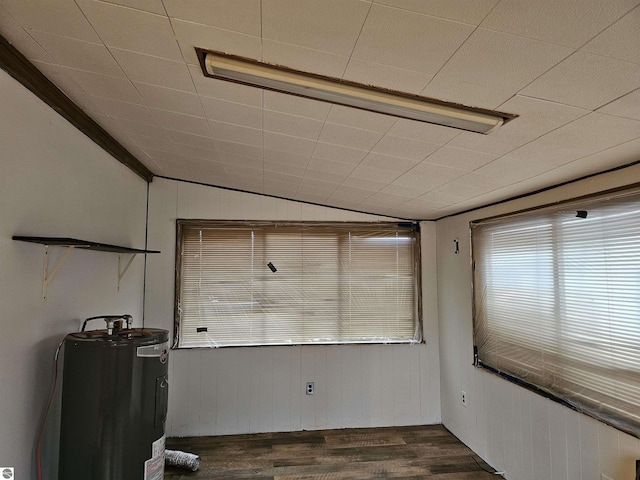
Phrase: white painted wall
pixel 54 181
pixel 247 390
pixel 524 434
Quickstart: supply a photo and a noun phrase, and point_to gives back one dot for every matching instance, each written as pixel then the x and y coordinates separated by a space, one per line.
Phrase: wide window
pixel 557 303
pixel 265 283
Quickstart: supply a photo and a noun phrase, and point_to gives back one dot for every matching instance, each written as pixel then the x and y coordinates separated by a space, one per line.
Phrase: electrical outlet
pixel 463 397
pixel 310 388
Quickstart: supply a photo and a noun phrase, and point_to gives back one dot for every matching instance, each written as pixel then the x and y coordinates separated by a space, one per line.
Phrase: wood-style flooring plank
pixel 416 452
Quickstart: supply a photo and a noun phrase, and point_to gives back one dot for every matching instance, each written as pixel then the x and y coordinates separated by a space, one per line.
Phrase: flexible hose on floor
pixel 186 460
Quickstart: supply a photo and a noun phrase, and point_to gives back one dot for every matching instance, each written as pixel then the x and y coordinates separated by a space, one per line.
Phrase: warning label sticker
pixel 157 448
pixel 154 467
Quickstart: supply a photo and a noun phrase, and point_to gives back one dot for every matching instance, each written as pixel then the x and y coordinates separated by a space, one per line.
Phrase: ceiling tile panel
pixel 154 70
pixel 423 132
pixel 130 29
pixel 236 133
pixel 363 183
pixel 623 154
pixel 28 46
pixel 568 22
pixel 181 123
pixel 324 165
pixel 287 143
pixel 587 81
pixel 627 106
pixel 240 160
pixel 78 54
pixel 428 176
pixel 402 190
pixel 191 35
pixel 459 10
pixel 277 187
pixel 286 158
pixel 587 135
pixel 6 19
pixel 363 119
pixel 105 86
pixel 315 187
pixel 376 174
pixel 183 138
pixel 151 6
pixel 291 125
pixel 379 199
pixel 331 177
pixel 129 111
pixel 384 76
pixel 349 136
pixel 497 143
pixel 404 147
pixel 458 158
pixel 292 105
pixel 242 17
pixel 136 128
pixel 249 151
pixel 398 38
pixel 303 59
pixel 536 118
pixel 296 171
pixel 398 165
pixel 625 31
pixel 208 154
pixel 282 177
pixel 169 99
pixel 492 66
pixel 325 25
pixel 230 112
pixel 61 17
pixel 338 153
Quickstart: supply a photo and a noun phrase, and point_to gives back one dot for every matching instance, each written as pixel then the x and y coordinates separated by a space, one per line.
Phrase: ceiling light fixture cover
pixel 342 92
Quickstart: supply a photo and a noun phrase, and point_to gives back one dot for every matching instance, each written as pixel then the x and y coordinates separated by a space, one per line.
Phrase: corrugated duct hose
pixel 182 459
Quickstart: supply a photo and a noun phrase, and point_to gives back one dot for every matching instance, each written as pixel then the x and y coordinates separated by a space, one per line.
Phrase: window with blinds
pixel 557 303
pixel 265 283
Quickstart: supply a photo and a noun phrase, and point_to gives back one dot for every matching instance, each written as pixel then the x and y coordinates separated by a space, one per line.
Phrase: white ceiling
pixel 569 68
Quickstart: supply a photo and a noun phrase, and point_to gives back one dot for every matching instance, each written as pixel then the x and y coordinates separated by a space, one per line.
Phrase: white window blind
pixel 247 283
pixel 557 303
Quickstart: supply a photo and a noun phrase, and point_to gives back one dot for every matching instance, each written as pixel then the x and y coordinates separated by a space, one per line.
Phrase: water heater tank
pixel 114 405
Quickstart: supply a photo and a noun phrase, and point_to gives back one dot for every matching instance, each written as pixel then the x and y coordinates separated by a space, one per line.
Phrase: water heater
pixel 114 403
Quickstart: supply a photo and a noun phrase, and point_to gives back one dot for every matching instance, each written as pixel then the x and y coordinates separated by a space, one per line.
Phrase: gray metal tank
pixel 114 405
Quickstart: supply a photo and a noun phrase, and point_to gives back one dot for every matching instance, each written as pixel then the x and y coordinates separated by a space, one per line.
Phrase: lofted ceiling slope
pixel 569 69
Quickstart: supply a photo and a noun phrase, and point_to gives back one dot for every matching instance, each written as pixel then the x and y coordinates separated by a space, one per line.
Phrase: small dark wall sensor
pixel 581 214
pixel 272 267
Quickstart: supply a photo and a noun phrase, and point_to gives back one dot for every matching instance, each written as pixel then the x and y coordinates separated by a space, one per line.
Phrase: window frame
pixel 413 227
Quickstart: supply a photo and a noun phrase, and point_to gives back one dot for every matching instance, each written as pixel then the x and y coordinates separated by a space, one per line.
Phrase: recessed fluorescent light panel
pixel 342 92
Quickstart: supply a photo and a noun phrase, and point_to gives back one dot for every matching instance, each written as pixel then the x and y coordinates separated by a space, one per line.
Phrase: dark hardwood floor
pixel 353 454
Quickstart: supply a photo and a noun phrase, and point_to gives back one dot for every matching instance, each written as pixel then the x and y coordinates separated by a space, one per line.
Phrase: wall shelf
pixel 71 244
